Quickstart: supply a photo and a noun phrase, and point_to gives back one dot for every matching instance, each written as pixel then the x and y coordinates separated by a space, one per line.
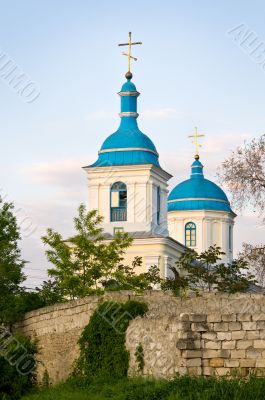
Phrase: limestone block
pixel 236 326
pixel 249 363
pixel 216 362
pixel 259 344
pixel 199 327
pixel 231 363
pixel 194 362
pixel 253 353
pixel 260 325
pixel 260 363
pixel 209 335
pixel 250 326
pixel 260 372
pixel 196 371
pixel 212 345
pixel 239 335
pixel 229 317
pixel 224 335
pixel 238 354
pixel 207 371
pixel 214 317
pixel 229 344
pixel 189 335
pixel 215 353
pixel 221 326
pixel 188 344
pixel 191 353
pixel 258 317
pixel 197 317
pixel 222 371
pixel 244 317
pixel 244 344
pixel 250 335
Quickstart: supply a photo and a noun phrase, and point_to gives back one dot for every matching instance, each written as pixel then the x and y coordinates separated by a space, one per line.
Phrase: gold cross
pixel 129 44
pixel 195 141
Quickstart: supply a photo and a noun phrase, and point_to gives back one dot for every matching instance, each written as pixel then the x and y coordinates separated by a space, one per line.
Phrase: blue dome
pixel 128 145
pixel 198 193
pixel 128 87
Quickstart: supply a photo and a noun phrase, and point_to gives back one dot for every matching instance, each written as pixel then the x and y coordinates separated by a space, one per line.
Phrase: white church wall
pixel 212 227
pixel 141 182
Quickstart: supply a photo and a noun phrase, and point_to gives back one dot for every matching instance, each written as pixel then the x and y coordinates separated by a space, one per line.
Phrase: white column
pixel 167 263
pixel 208 233
pixel 131 202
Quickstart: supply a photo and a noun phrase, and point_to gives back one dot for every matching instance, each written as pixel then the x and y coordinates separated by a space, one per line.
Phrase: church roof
pixel 128 145
pixel 198 193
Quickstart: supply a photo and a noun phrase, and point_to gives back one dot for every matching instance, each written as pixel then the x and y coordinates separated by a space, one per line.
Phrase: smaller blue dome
pixel 198 193
pixel 128 87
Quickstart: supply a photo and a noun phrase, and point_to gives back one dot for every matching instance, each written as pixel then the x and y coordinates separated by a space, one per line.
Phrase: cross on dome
pixel 196 143
pixel 128 54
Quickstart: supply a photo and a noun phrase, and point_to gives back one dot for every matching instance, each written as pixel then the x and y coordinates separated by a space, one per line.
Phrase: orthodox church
pixel 129 188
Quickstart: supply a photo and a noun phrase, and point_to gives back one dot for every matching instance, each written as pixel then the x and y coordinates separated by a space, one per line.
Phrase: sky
pixel 201 64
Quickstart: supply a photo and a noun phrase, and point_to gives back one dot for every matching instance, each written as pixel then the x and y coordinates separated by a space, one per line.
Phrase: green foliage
pixel 181 388
pixel 28 301
pixel 16 351
pixel 83 261
pixel 102 344
pixel 139 355
pixel 126 277
pixel 205 271
pixel 176 284
pixel 11 264
pixel 50 292
pixel 86 264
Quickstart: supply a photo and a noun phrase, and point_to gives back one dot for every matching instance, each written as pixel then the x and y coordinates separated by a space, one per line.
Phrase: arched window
pixel 190 234
pixel 118 202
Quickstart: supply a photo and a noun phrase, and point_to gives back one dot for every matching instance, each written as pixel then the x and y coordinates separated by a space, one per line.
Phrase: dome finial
pixel 196 143
pixel 128 55
pixel 128 75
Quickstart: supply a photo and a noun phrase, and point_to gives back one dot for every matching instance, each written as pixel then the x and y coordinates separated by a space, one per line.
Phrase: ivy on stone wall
pixel 102 344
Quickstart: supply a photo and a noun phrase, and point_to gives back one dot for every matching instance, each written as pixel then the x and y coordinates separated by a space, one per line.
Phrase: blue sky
pixel 189 71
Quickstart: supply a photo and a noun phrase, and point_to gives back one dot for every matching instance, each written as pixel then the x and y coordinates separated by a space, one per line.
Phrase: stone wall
pixel 214 334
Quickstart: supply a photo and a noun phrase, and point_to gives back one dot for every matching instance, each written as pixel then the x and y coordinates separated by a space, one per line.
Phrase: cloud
pixel 65 173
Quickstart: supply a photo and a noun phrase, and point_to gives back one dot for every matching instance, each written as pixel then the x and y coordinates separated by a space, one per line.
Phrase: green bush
pixel 102 344
pixel 17 365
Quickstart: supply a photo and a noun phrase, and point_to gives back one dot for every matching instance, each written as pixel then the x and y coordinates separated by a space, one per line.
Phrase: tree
pixel 86 259
pixel 244 173
pixel 50 292
pixel 205 272
pixel 255 257
pixel 11 264
pixel 199 269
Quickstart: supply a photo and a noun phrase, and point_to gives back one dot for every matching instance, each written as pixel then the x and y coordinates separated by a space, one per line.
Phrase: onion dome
pixel 198 193
pixel 128 145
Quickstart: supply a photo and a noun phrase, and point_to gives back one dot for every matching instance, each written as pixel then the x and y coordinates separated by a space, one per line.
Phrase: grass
pixel 181 388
